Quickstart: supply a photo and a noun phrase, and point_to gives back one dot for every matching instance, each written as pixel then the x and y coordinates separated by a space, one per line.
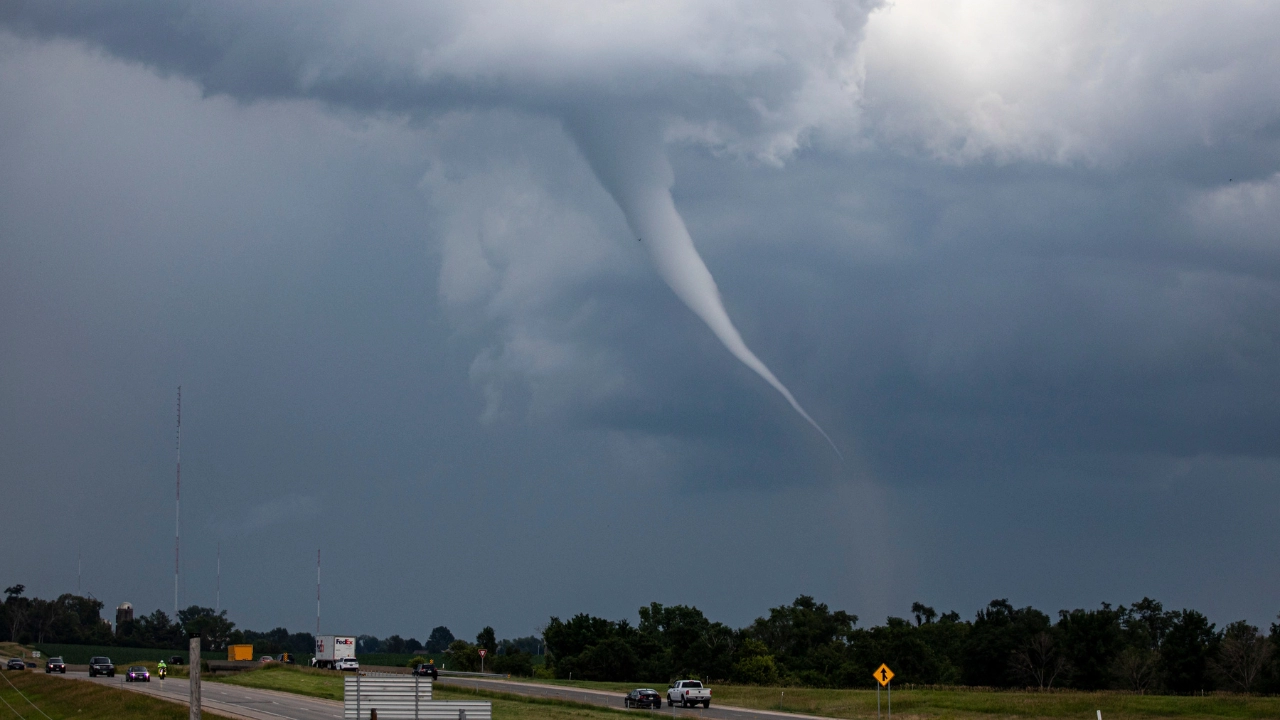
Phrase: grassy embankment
pixel 939 704
pixel 61 698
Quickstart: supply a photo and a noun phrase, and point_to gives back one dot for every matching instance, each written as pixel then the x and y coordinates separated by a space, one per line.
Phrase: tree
pixel 487 640
pixel 1189 644
pixel 16 609
pixel 368 643
pixel 213 628
pixel 1090 641
pixel 439 640
pixel 1243 655
pixel 1136 668
pixel 755 666
pixel 923 613
pixel 997 633
pixel 1039 661
pixel 394 644
pixel 463 656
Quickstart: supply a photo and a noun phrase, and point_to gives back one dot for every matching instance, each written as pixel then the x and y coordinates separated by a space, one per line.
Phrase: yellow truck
pixel 239 652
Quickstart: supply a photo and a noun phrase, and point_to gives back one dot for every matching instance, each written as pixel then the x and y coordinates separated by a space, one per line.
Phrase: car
pixel 426 669
pixel 642 698
pixel 99 665
pixel 285 658
pixel 55 665
pixel 137 673
pixel 688 692
pixel 346 664
pixel 266 658
pixel 177 660
pixel 15 664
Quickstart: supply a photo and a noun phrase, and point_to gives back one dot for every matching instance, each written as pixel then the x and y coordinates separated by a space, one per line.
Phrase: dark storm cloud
pixel 1021 264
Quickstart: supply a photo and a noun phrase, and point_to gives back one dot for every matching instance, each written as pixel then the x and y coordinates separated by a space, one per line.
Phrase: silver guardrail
pixel 397 697
pixel 462 673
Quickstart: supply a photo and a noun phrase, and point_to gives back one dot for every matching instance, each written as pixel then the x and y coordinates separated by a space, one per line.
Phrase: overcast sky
pixel 1021 261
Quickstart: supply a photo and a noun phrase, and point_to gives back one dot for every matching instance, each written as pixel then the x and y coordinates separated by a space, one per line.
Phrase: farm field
pixel 60 698
pixel 80 654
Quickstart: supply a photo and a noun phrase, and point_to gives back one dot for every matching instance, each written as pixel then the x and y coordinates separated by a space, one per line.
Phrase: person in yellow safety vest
pixel 161 669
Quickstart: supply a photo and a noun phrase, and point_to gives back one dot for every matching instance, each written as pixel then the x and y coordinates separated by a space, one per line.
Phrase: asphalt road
pixel 614 700
pixel 254 704
pixel 236 702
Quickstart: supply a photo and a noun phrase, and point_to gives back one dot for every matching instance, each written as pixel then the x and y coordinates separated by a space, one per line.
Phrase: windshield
pixel 55 659
pixel 137 669
pixel 100 661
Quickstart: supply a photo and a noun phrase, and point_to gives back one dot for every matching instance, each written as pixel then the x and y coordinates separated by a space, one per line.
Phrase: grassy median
pixel 930 704
pixel 967 703
pixel 59 698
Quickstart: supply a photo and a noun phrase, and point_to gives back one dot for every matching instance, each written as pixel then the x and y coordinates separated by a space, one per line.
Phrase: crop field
pixel 59 698
pixel 80 654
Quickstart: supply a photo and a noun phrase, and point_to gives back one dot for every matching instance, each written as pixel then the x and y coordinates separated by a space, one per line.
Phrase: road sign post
pixel 883 675
pixel 483 652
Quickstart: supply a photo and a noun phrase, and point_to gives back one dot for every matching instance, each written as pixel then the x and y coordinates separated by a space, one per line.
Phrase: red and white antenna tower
pixel 177 509
pixel 317 592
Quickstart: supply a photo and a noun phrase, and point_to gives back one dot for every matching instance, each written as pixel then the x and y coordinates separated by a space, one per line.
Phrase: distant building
pixel 124 613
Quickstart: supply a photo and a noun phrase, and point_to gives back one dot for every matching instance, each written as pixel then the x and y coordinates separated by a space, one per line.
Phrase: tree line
pixel 75 620
pixel 1143 648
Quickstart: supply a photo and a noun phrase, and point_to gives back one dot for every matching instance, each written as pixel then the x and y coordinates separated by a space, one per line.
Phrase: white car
pixel 346 664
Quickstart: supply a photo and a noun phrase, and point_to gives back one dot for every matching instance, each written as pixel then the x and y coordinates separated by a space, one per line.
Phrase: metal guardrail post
pixel 415 697
pixel 358 674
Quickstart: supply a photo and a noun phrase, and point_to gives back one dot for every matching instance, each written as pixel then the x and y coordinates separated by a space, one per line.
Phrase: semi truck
pixel 332 648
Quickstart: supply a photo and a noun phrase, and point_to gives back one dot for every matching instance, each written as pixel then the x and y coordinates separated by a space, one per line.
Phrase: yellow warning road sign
pixel 883 675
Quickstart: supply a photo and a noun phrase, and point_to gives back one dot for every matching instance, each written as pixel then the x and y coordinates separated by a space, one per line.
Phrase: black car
pixel 137 673
pixel 642 698
pixel 426 670
pixel 15 664
pixel 101 666
pixel 55 665
pixel 176 660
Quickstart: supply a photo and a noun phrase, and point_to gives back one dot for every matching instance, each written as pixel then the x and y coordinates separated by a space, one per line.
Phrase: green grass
pixel 61 698
pixel 325 684
pixel 931 704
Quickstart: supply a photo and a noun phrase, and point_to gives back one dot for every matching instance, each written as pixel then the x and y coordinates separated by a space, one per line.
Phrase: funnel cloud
pixel 629 161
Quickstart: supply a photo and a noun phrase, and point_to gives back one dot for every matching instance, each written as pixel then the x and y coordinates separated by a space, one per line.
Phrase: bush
pixel 415 660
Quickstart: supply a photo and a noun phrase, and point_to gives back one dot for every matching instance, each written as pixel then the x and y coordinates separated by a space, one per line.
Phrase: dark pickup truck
pixel 101 666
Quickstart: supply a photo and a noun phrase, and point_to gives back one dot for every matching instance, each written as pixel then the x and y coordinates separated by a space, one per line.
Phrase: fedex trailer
pixel 332 648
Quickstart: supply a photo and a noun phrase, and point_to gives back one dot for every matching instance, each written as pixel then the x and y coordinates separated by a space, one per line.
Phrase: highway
pixel 613 700
pixel 229 700
pixel 254 704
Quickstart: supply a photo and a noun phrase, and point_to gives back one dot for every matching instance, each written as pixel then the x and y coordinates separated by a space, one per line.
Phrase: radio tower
pixel 317 593
pixel 217 598
pixel 177 509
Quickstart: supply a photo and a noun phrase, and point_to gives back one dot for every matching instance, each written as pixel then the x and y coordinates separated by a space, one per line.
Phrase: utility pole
pixel 317 593
pixel 217 597
pixel 177 508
